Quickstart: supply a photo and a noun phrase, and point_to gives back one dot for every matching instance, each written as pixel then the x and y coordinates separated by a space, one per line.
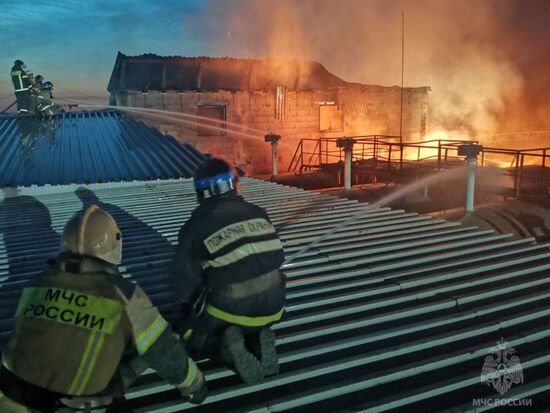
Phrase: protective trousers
pixel 24 101
pixel 203 337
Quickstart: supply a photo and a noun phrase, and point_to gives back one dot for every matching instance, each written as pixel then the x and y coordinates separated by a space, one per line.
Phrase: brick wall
pixel 366 110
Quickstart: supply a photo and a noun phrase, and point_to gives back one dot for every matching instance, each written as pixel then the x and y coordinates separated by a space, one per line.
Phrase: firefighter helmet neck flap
pixel 93 232
pixel 214 177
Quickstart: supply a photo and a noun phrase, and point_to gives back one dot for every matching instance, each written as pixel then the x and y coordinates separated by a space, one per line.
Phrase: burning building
pixel 227 104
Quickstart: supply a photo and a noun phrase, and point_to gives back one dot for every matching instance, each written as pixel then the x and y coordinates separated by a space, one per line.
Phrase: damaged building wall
pixel 347 111
pixel 248 98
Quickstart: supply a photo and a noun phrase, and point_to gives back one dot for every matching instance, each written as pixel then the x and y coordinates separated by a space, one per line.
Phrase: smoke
pixel 479 57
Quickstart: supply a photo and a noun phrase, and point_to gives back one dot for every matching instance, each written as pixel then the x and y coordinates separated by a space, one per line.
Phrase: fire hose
pixel 13 103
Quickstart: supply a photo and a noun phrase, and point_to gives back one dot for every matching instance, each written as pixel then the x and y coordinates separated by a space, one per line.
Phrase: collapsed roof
pixel 152 72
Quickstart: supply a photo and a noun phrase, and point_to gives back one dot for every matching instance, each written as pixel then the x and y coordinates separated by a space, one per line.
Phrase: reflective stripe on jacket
pixel 20 79
pixel 74 322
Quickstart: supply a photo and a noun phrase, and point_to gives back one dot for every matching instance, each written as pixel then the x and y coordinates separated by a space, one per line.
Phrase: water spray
pixel 162 111
pixel 452 173
pixel 345 143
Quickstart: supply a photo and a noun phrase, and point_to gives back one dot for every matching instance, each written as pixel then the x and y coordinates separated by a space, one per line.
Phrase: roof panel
pixel 88 147
pixel 397 311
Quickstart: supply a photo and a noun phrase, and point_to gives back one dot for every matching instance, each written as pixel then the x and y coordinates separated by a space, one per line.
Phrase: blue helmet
pixel 47 85
pixel 214 177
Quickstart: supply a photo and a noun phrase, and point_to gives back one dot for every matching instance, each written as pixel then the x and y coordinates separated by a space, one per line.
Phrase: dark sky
pixel 486 60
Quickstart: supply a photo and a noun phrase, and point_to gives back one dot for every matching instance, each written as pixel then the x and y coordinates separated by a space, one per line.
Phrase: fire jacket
pixel 230 250
pixel 73 323
pixel 20 79
pixel 44 103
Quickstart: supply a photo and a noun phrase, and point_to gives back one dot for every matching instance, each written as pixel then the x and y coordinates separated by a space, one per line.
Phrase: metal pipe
pixel 274 157
pixel 520 177
pixel 347 145
pixel 471 184
pixel 438 155
pixel 470 151
pixel 543 166
pixel 273 139
pixel 347 169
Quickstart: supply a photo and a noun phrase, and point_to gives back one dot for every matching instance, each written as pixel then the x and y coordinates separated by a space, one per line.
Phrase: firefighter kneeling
pixel 75 321
pixel 226 276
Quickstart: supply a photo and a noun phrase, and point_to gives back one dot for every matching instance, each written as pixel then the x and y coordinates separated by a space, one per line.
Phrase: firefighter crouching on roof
pixel 22 82
pixel 44 103
pixel 75 320
pixel 226 275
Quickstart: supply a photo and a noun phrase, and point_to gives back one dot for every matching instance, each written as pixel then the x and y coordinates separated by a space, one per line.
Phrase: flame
pixel 485 70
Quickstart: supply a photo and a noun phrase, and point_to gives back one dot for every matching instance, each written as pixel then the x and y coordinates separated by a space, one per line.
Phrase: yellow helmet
pixel 93 232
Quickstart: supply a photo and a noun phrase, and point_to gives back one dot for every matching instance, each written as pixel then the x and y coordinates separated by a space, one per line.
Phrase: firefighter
pixel 226 277
pixel 22 83
pixel 75 320
pixel 38 82
pixel 44 103
pixel 36 89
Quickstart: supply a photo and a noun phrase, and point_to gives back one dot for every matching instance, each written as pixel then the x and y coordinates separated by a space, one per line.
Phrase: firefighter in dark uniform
pixel 75 320
pixel 226 275
pixel 22 84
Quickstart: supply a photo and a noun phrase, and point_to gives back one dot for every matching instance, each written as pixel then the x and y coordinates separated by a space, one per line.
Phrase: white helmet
pixel 93 232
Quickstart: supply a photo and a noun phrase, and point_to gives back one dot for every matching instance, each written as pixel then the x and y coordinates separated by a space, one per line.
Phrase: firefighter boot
pixel 268 352
pixel 235 353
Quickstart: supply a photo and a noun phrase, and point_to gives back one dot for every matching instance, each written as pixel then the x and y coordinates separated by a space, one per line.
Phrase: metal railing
pixel 379 148
pixel 527 168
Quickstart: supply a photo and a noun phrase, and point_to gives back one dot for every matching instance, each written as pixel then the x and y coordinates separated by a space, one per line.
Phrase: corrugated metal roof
pixel 397 311
pixel 88 147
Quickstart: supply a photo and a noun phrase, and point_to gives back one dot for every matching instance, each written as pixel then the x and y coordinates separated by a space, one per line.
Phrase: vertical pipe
pixel 438 155
pixel 543 166
pixel 281 102
pixel 400 153
pixel 402 70
pixel 284 101
pixel 418 163
pixel 516 174
pixel 277 110
pixel 518 189
pixel 347 167
pixel 274 157
pixel 471 184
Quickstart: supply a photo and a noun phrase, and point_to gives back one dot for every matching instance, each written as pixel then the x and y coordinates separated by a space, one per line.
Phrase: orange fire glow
pixel 468 52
